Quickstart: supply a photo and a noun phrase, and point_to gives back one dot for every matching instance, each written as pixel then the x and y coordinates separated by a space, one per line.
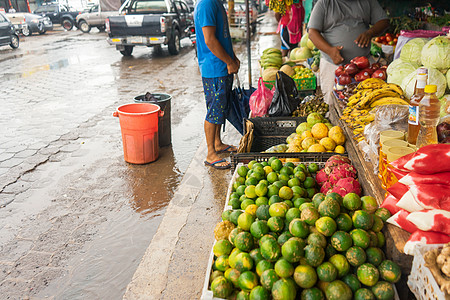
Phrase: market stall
pixel 309 211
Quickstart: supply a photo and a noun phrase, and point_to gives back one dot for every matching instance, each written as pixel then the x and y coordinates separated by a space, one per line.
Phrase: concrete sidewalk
pixel 175 263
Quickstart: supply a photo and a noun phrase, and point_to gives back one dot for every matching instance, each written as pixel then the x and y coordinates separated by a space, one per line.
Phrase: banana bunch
pixel 374 92
pixel 278 6
pixel 271 58
pixel 357 119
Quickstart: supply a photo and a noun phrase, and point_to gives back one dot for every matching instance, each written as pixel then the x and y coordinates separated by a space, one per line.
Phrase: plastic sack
pixel 390 203
pixel 426 196
pixel 417 179
pixel 260 100
pixel 400 220
pixel 407 35
pixel 387 117
pixel 239 108
pixel 424 237
pixel 436 220
pixel 430 159
pixel 285 99
pixel 398 190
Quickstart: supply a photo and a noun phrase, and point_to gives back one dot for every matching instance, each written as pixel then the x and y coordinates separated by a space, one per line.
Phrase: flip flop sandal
pixel 225 150
pixel 213 164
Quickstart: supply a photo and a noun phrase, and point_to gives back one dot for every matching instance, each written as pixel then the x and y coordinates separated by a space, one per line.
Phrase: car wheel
pixel 174 43
pixel 101 28
pixel 84 26
pixel 127 51
pixel 26 31
pixel 67 24
pixel 14 41
pixel 42 32
pixel 40 27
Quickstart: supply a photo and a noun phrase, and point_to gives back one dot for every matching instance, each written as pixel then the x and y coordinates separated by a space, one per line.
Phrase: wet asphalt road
pixel 75 219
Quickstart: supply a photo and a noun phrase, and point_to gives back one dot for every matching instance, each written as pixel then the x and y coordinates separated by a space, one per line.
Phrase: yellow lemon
pixel 298 140
pixel 334 130
pixel 308 142
pixel 338 137
pixel 319 131
pixel 328 143
pixel 306 134
pixel 316 148
pixel 251 209
pixel 339 149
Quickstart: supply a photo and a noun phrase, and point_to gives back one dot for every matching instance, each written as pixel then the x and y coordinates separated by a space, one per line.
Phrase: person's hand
pixel 335 55
pixel 233 67
pixel 363 39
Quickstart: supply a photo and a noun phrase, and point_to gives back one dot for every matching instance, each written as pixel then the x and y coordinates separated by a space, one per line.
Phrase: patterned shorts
pixel 217 94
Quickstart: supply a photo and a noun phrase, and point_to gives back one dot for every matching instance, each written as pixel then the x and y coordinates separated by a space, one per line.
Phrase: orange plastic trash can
pixel 139 127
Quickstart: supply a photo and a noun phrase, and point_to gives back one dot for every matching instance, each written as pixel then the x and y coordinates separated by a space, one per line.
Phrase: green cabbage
pixel 398 70
pixel 434 77
pixel 448 78
pixel 411 50
pixel 436 53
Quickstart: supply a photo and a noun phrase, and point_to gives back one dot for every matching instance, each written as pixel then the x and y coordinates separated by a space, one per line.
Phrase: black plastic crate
pixel 275 126
pixel 309 157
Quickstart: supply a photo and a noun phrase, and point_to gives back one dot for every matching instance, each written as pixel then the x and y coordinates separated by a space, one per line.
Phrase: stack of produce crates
pixel 271 131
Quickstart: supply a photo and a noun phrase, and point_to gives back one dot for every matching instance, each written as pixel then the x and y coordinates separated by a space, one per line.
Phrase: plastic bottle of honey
pixel 413 119
pixel 429 108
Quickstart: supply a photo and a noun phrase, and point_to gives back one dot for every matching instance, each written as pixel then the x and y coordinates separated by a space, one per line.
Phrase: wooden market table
pixel 371 184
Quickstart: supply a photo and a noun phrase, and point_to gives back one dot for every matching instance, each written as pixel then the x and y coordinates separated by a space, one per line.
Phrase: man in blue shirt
pixel 217 63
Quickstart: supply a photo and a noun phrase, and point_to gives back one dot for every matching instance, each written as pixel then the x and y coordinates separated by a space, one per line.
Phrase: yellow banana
pixel 388 100
pixel 375 95
pixel 395 88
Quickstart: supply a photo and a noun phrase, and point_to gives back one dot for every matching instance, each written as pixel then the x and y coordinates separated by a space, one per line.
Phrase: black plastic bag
pixel 285 98
pixel 239 107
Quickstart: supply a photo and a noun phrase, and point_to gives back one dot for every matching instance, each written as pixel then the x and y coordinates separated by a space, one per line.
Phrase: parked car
pixel 58 14
pixel 149 23
pixel 95 17
pixel 8 35
pixel 27 23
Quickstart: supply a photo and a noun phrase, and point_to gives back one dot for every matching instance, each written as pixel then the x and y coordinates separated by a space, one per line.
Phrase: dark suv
pixel 58 14
pixel 8 35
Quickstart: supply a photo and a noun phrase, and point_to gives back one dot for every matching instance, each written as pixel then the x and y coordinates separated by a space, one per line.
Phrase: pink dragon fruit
pixel 341 171
pixel 321 177
pixel 336 160
pixel 347 185
pixel 327 186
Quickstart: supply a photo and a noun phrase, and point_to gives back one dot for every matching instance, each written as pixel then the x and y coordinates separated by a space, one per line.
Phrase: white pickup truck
pixel 97 15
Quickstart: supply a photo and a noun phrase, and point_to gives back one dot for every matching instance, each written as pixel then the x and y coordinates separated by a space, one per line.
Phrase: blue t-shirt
pixel 212 13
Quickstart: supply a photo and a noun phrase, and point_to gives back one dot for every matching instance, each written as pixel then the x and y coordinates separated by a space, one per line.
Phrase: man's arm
pixel 363 40
pixel 322 44
pixel 213 44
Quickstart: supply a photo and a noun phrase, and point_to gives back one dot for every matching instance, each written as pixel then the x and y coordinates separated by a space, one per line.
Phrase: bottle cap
pixel 422 77
pixel 430 88
pixel 422 70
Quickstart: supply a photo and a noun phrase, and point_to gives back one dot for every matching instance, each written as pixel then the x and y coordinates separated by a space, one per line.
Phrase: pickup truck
pixel 97 15
pixel 149 23
pixel 58 14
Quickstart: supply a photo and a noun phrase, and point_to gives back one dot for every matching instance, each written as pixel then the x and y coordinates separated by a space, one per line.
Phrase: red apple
pixel 369 70
pixel 363 75
pixel 344 79
pixel 339 70
pixel 361 62
pixel 351 69
pixel 381 74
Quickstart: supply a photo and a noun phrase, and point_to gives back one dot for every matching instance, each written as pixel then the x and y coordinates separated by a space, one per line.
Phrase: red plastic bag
pixel 260 100
pixel 424 237
pixel 426 196
pixel 390 203
pixel 430 159
pixel 435 220
pixel 398 190
pixel 400 220
pixel 416 179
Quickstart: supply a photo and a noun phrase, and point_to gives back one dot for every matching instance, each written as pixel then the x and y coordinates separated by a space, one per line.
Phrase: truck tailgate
pixel 129 25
